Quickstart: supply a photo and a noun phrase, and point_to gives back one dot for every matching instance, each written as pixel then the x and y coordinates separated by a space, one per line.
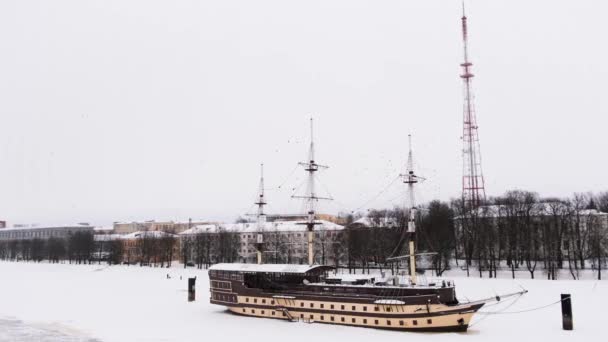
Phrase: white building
pixel 26 232
pixel 285 238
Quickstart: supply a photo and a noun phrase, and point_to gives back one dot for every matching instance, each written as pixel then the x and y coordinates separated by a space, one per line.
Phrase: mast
pixel 410 179
pixel 473 188
pixel 261 217
pixel 311 196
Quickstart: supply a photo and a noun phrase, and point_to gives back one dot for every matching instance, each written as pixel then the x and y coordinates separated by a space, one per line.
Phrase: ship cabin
pixel 228 281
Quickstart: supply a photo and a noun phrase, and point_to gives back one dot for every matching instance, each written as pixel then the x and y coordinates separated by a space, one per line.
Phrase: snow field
pixel 132 303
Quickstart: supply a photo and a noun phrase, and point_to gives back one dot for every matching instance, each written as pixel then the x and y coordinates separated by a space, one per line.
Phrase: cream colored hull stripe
pixel 443 321
pixel 384 309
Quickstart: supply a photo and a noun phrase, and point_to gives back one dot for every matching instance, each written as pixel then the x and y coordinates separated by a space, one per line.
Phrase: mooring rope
pixel 502 312
pixel 489 313
pixel 522 311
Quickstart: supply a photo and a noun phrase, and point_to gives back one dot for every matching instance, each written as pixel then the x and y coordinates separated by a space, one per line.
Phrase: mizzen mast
pixel 410 179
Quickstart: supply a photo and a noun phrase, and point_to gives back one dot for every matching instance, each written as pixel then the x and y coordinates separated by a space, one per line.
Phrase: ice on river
pixel 69 303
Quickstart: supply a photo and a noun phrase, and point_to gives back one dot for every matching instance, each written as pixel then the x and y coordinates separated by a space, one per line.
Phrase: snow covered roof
pixel 37 226
pixel 281 226
pixel 107 237
pixel 147 233
pixel 269 268
pixel 536 209
pixel 367 221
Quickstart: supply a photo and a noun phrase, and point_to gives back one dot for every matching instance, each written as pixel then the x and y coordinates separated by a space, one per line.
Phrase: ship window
pixel 365 308
pixel 415 322
pixel 364 321
pixel 332 306
pixel 312 305
pixel 272 302
pixel 331 318
pixel 400 322
pixel 354 320
pixel 252 311
pixel 342 319
pixel 376 308
pixel 388 322
pixel 273 313
pixel 263 301
pixel 429 321
pixel 243 309
pixel 247 300
pixel 312 316
pixel 354 308
pixel 342 307
pixel 302 304
pixel 262 312
pixel 388 309
pixel 301 315
pixel 255 300
pixel 284 314
pixel 376 321
pixel 322 318
pixel 322 306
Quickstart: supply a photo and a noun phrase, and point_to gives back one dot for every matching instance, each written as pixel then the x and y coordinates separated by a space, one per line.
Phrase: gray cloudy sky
pixel 139 109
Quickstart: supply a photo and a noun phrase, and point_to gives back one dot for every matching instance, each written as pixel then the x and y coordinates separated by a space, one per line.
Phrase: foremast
pixel 261 217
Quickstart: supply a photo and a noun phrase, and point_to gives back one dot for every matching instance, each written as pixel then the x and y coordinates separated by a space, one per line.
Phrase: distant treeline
pixel 519 231
pixel 78 248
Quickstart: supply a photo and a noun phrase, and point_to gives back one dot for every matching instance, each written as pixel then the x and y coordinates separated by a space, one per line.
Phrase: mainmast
pixel 410 179
pixel 261 217
pixel 473 188
pixel 311 196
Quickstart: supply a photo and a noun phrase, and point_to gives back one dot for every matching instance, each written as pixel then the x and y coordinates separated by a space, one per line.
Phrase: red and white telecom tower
pixel 473 189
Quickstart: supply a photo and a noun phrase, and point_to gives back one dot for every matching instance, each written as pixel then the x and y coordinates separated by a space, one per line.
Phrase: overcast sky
pixel 139 109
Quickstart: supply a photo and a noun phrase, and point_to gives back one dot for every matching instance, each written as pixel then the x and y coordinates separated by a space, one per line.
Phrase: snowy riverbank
pixel 98 303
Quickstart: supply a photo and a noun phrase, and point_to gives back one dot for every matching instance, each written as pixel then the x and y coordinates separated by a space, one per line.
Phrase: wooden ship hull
pixel 301 293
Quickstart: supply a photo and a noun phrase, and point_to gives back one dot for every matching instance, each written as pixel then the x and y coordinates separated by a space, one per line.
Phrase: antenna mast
pixel 410 179
pixel 261 217
pixel 473 188
pixel 311 197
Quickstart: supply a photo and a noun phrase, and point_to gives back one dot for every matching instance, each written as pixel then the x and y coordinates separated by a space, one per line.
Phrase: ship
pixel 316 293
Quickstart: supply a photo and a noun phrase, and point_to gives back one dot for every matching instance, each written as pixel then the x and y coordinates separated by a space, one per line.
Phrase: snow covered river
pixel 94 303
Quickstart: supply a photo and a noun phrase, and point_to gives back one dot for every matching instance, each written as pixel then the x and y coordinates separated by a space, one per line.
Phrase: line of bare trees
pixel 523 231
pixel 518 231
pixel 205 249
pixel 77 248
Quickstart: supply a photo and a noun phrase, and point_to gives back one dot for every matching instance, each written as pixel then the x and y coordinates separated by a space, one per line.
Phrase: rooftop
pixel 269 268
pixel 19 227
pixel 281 226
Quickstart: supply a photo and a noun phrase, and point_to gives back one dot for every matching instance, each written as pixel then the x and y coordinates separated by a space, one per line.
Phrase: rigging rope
pixel 286 179
pixel 377 195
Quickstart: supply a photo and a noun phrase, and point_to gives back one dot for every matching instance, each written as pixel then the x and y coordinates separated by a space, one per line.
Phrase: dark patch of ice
pixel 14 330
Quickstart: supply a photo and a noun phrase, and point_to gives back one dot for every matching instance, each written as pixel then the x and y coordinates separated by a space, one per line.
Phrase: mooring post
pixel 567 311
pixel 191 289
